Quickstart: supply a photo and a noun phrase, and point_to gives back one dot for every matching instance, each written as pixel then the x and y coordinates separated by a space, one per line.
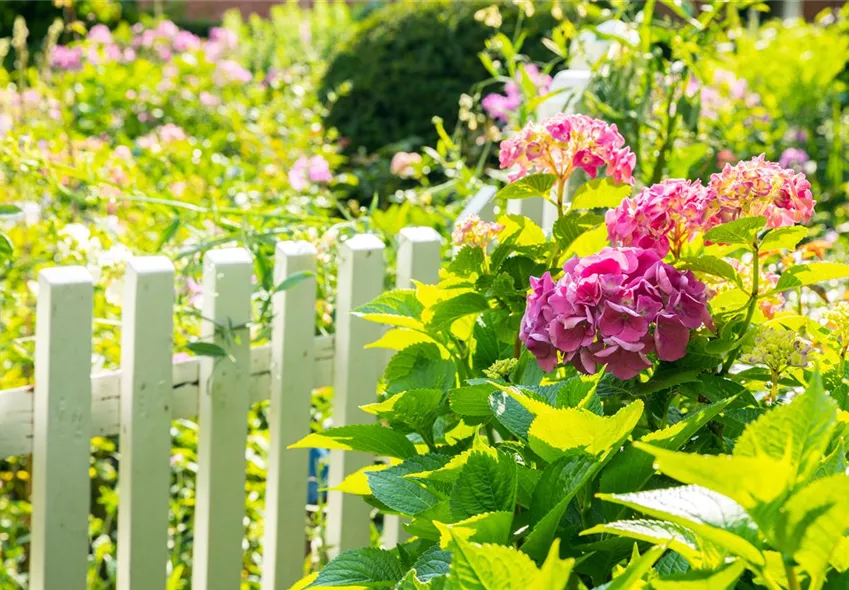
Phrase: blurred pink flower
pixel 66 58
pixel 209 100
pixel 793 158
pixel 100 34
pixel 402 163
pixel 314 169
pixel 499 106
pixel 186 41
pixel 229 72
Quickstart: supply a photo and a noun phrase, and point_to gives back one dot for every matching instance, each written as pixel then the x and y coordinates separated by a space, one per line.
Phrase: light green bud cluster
pixel 500 369
pixel 777 349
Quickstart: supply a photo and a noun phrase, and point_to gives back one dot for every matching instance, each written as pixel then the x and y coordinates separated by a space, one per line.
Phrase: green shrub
pixel 410 61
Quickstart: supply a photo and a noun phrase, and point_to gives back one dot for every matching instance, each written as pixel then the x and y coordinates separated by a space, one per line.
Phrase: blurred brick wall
pixel 213 10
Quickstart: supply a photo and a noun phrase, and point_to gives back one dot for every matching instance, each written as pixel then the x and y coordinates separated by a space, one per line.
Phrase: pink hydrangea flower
pixel 66 58
pixel 474 231
pixel 186 41
pixel 613 308
pixel 402 163
pixel 314 169
pixel 230 72
pixel 100 34
pixel 562 143
pixel 663 216
pixel 793 158
pixel 499 106
pixel 759 187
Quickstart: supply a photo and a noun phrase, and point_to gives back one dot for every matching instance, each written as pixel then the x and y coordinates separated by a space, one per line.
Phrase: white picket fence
pixel 55 419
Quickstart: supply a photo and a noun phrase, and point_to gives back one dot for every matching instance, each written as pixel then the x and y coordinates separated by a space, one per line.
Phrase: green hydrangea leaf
pixel 448 311
pixel 718 579
pixel 812 523
pixel 658 532
pixel 367 438
pixel 571 226
pixel 394 308
pixel 710 515
pixel 713 266
pixel 487 483
pixel 798 432
pixel 636 570
pixel 600 193
pixel 740 231
pixel 471 400
pixel 631 469
pixel 434 562
pixel 533 185
pixel 369 567
pixel 784 238
pixel 554 433
pixel 420 366
pixel 803 275
pixel 753 482
pixel 404 495
pixel 488 527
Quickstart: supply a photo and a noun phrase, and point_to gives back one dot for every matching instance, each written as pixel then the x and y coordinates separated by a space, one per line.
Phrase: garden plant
pixel 644 403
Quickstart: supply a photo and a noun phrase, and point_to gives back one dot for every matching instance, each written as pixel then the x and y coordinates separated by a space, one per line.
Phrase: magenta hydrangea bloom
pixel 613 308
pixel 759 187
pixel 562 143
pixel 661 217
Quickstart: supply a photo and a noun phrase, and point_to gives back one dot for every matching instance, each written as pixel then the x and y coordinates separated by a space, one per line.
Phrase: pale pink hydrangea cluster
pixel 306 170
pixel 562 143
pixel 661 217
pixel 613 308
pixel 163 42
pixel 757 187
pixel 499 106
pixel 474 231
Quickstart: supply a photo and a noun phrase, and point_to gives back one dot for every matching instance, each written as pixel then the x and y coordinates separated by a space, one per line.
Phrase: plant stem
pixel 561 186
pixel 792 581
pixel 753 303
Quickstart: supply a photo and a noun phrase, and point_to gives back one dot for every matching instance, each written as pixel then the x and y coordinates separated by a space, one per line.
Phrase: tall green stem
pixel 792 581
pixel 753 303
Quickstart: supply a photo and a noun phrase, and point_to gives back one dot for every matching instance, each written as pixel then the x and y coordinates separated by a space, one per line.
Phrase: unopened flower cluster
pixel 669 214
pixel 473 231
pixel 613 308
pixel 777 349
pixel 563 143
pixel 837 318
pixel 663 216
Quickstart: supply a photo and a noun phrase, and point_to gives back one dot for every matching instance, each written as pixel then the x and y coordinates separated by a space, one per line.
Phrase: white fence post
pixel 61 430
pixel 224 399
pixel 357 372
pixel 145 418
pixel 419 258
pixel 292 342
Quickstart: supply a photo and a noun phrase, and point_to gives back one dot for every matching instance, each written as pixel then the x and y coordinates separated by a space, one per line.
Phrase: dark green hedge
pixel 411 60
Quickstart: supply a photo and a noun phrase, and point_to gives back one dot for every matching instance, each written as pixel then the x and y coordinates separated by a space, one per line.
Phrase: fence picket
pixel 292 343
pixel 145 418
pixel 419 258
pixel 61 430
pixel 224 399
pixel 357 371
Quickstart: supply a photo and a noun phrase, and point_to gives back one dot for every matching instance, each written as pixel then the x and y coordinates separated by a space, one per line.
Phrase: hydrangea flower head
pixel 613 308
pixel 314 169
pixel 474 231
pixel 562 143
pixel 759 187
pixel 793 158
pixel 660 217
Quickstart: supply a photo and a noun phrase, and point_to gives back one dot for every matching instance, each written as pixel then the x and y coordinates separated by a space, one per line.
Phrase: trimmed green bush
pixel 410 61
